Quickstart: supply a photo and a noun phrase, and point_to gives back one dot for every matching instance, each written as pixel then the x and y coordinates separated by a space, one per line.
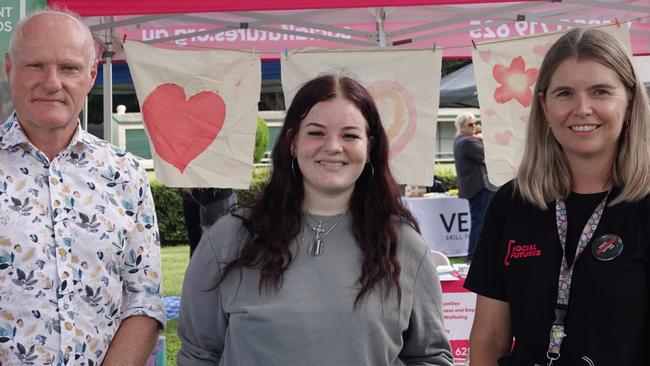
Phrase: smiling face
pixel 331 147
pixel 586 104
pixel 50 74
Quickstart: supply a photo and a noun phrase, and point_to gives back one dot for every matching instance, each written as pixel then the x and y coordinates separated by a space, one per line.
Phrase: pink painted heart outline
pixel 542 48
pixel 503 138
pixel 401 97
pixel 486 55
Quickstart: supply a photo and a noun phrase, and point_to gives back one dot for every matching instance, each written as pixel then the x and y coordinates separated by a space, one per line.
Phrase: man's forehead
pixel 49 32
pixel 43 19
pixel 53 27
pixel 56 52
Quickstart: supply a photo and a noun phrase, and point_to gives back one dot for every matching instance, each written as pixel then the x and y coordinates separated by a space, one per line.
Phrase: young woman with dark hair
pixel 326 267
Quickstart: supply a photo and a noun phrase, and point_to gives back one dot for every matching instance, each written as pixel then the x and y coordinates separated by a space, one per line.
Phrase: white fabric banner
pixel 445 223
pixel 506 72
pixel 404 84
pixel 200 111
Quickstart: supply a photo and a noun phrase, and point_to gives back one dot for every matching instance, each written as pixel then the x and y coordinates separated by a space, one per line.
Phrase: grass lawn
pixel 172 342
pixel 174 263
pixel 457 260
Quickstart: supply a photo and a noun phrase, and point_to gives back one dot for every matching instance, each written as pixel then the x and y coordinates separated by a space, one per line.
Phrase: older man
pixel 79 251
pixel 471 173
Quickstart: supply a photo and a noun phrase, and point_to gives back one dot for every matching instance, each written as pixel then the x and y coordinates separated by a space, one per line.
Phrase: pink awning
pixel 139 7
pixel 274 26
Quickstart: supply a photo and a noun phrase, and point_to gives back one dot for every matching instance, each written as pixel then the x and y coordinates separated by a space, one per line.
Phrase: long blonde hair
pixel 543 175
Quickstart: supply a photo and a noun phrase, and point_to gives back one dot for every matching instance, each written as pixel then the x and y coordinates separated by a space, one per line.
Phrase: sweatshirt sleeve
pixel 202 324
pixel 425 341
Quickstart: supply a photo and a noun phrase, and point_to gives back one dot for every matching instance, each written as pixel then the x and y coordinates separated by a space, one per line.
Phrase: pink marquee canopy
pixel 277 26
pixel 99 8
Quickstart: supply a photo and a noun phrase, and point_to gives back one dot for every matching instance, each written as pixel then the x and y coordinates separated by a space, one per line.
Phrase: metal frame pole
pixel 107 56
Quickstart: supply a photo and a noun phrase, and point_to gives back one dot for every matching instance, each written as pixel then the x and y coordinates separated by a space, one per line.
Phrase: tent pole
pixel 380 16
pixel 107 55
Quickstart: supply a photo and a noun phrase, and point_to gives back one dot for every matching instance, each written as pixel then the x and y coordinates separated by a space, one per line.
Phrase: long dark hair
pixel 274 219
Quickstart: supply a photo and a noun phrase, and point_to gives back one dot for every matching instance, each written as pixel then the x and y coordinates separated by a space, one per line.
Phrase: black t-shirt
pixel 579 208
pixel 517 260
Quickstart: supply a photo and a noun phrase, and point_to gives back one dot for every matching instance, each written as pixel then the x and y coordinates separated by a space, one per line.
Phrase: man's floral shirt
pixel 79 249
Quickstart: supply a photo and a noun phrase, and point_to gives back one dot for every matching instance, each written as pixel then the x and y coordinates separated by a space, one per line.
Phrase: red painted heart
pixel 182 129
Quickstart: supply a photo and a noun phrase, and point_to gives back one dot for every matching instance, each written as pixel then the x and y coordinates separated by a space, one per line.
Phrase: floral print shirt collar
pixel 79 249
pixel 12 134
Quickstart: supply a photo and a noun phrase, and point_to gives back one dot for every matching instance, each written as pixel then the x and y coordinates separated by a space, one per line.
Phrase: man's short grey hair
pixel 462 118
pixel 52 11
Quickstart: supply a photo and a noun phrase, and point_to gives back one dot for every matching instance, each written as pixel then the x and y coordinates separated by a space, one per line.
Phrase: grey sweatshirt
pixel 311 320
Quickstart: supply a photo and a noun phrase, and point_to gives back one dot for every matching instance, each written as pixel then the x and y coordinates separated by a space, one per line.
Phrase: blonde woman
pixel 562 264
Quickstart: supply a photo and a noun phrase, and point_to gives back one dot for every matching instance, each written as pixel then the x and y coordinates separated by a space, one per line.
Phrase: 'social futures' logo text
pixel 520 251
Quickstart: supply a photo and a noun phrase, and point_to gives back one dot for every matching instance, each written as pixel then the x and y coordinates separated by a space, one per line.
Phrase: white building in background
pixel 129 134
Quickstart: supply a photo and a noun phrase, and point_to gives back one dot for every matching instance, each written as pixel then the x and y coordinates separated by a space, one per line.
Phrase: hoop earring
pixel 293 168
pixel 372 173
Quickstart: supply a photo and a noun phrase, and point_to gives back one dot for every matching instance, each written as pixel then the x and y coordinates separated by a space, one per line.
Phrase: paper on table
pixel 444 269
pixel 435 195
pixel 461 269
pixel 448 277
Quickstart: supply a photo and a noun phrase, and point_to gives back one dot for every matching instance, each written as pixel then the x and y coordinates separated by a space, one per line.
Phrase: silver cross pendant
pixel 318 242
pixel 318 247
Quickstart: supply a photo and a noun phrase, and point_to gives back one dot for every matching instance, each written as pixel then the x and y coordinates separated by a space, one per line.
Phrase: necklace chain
pixel 316 248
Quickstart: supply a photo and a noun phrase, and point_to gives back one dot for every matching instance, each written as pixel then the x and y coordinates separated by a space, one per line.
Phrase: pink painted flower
pixel 516 82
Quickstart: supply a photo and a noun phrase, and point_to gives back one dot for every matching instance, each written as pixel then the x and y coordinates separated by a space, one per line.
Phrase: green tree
pixel 261 140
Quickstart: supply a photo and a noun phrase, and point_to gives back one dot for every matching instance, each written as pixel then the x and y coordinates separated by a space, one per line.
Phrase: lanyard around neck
pixel 566 271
